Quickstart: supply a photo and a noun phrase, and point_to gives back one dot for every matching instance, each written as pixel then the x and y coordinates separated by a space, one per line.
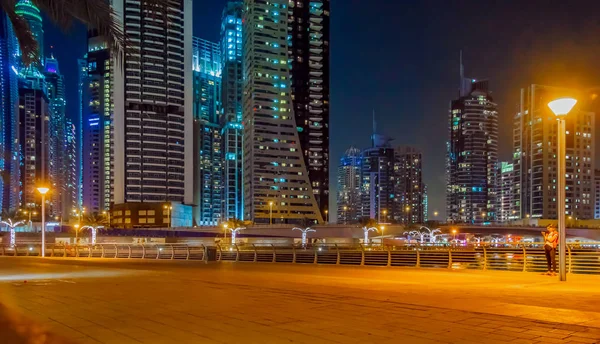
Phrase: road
pixel 124 301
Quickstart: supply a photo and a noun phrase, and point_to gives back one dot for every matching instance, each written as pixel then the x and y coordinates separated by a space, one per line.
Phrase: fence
pixel 583 258
pixel 154 251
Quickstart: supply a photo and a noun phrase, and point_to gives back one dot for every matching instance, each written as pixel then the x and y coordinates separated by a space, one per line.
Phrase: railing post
pixel 569 259
pixel 129 249
pixel 172 252
pixel 220 253
pixel 449 258
pixel 337 249
pixel 28 252
pixel 3 251
pixel 116 251
pixel 255 253
pixel 274 254
pixel 316 258
pixel 362 255
pixel 64 251
pixel 524 259
pixel 76 251
pixel 204 253
pixel 187 252
pixel 144 251
pixel 90 248
pixel 484 258
pixel 389 262
pixel 237 253
pixel 293 253
pixel 102 248
pixel 418 264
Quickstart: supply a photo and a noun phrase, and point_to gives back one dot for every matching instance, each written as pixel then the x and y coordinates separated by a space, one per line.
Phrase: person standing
pixel 550 243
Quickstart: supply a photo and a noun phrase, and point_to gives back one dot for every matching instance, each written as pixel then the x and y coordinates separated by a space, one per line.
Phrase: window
pixel 150 212
pixel 142 220
pixel 127 212
pixel 127 220
pixel 142 212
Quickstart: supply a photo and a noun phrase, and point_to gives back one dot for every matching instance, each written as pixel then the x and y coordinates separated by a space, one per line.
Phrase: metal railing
pixel 131 251
pixel 582 258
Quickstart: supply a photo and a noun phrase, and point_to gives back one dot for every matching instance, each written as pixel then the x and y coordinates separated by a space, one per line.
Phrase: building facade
pixel 472 154
pixel 377 178
pixel 208 154
pixel 597 194
pixel 534 154
pixel 9 117
pixel 70 173
pixel 97 93
pixel 308 51
pixel 152 95
pixel 276 182
pixel 232 127
pixel 409 197
pixel 27 10
pixel 349 186
pixel 505 208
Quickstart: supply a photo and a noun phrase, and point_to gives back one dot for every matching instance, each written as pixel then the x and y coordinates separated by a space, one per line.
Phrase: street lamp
pixel 225 226
pixel 43 191
pixel 326 216
pixel 270 212
pixel 168 208
pixel 382 229
pixel 76 233
pixel 435 213
pixel 345 214
pixel 454 232
pixel 561 107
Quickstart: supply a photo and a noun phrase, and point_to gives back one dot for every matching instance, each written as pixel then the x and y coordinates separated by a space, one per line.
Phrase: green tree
pixel 96 14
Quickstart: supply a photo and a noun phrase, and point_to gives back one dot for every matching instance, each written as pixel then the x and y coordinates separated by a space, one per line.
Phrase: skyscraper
pixel 96 93
pixel 232 131
pixel 505 210
pixel 70 173
pixel 32 14
pixel 534 154
pixel 153 122
pixel 308 51
pixel 409 190
pixel 57 159
pixel 208 157
pixel 82 84
pixel 472 154
pixel 34 117
pixel 348 186
pixel 9 117
pixel 275 173
pixel 377 178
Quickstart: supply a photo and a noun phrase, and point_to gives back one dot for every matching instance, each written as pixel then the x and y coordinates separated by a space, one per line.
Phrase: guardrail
pixel 583 258
pixel 139 251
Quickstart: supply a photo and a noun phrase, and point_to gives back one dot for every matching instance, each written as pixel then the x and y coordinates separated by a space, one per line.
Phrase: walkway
pixel 188 302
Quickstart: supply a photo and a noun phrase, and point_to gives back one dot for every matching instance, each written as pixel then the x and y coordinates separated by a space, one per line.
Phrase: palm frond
pixel 27 43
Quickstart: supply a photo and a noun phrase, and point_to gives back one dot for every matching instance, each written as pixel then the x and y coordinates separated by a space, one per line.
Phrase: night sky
pixel 400 58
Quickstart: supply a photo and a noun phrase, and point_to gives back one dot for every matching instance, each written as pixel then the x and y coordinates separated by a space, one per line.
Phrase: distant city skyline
pixel 413 110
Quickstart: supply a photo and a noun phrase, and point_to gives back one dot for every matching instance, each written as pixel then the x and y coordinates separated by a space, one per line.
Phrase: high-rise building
pixel 70 173
pixel 472 154
pixel 535 148
pixel 208 157
pixel 276 178
pixel 308 52
pixel 57 158
pixel 505 209
pixel 597 194
pixel 97 125
pixel 9 117
pixel 34 122
pixel 27 10
pixel 425 204
pixel 377 179
pixel 153 124
pixel 82 84
pixel 232 131
pixel 349 186
pixel 409 191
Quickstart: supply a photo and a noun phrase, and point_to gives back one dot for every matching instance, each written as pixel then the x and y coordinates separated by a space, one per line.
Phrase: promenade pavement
pixel 125 301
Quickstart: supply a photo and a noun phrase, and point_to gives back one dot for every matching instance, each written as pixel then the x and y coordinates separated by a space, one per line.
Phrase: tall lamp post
pixel 271 213
pixel 168 208
pixel 561 107
pixel 326 216
pixel 43 191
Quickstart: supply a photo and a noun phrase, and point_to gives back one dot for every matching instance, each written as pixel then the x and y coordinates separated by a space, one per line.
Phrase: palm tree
pixel 93 223
pixel 234 225
pixel 97 14
pixel 304 232
pixel 10 219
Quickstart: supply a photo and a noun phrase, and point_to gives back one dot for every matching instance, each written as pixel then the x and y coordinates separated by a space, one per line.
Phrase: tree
pixel 10 219
pixel 93 223
pixel 234 225
pixel 96 14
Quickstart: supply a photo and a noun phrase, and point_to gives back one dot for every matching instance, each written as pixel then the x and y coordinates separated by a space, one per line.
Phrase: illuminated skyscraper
pixel 472 155
pixel 97 124
pixel 348 186
pixel 32 14
pixel 409 198
pixel 153 123
pixel 232 131
pixel 377 179
pixel 274 161
pixel 70 173
pixel 308 52
pixel 505 210
pixel 208 155
pixel 9 117
pixel 534 141
pixel 82 84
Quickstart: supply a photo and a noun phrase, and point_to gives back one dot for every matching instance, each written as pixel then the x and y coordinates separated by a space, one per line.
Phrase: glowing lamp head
pixel 562 106
pixel 43 190
pixel 270 203
pixel 76 225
